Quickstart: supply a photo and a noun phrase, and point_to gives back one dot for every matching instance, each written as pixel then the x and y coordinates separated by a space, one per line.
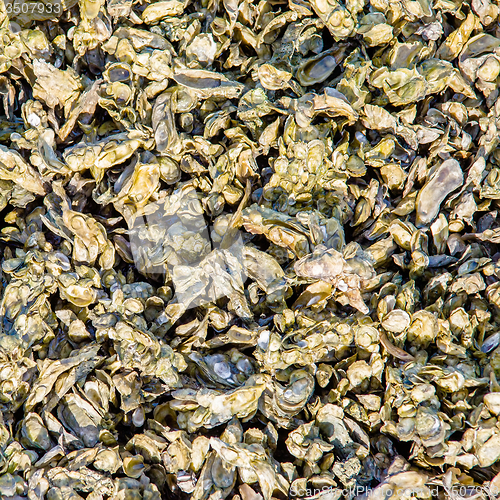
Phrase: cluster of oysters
pixel 250 249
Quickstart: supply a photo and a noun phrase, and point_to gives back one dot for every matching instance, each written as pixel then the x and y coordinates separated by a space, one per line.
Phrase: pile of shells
pixel 250 249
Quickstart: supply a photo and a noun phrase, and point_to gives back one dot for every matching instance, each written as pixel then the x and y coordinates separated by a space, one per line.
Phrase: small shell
pixel 492 401
pixel 489 452
pixel 118 72
pixel 423 329
pixel 133 466
pixel 272 78
pixel 430 428
pixel 396 321
pixel 358 372
pixel 322 264
pixel 159 10
pixel 489 70
pixel 108 461
pixel 491 342
pixel 223 474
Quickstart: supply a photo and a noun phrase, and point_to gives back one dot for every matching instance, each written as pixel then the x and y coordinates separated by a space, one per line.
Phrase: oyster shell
pixel 445 179
pixel 318 68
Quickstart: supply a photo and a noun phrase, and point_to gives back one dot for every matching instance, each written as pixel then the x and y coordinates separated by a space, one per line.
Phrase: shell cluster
pixel 249 249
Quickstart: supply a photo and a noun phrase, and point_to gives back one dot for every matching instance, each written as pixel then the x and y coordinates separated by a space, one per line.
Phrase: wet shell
pixel 317 69
pixel 447 177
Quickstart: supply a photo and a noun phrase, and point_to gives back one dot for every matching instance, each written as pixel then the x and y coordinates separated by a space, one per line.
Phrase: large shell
pixel 34 433
pixel 208 83
pixel 445 179
pixel 318 68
